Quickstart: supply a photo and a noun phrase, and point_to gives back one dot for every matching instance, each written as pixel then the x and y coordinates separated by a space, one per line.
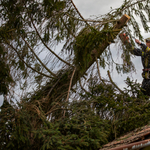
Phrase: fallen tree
pixel 47 117
pixel 67 78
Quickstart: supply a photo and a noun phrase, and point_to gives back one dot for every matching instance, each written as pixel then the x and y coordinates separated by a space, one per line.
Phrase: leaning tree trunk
pixel 56 90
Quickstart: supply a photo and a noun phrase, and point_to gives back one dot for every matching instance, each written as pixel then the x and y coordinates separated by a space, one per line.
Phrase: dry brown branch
pixel 99 71
pixel 114 83
pixel 69 88
pixel 70 84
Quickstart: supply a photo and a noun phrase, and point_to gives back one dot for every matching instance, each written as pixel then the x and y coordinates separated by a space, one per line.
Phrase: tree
pixel 5 78
pixel 32 31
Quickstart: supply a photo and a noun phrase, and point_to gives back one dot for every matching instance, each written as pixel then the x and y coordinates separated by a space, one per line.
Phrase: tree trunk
pixel 57 90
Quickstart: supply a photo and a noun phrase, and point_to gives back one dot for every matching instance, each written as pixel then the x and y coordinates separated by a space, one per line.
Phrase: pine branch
pixel 25 62
pixel 114 83
pixel 56 103
pixel 38 58
pixel 47 46
pixel 70 84
pixel 68 29
pixel 129 6
pixel 93 21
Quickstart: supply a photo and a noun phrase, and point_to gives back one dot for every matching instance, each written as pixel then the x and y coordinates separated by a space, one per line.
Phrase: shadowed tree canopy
pixel 51 58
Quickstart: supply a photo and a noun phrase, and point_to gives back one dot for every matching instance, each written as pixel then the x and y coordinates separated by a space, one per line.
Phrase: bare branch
pixel 114 83
pixel 99 71
pixel 70 84
pixel 79 13
pixel 70 87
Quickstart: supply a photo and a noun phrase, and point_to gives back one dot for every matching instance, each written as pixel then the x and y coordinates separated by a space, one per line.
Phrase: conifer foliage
pixel 49 51
pixel 5 77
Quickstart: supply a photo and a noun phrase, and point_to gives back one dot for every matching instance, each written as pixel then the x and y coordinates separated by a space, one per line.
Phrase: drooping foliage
pixel 5 76
pixel 66 104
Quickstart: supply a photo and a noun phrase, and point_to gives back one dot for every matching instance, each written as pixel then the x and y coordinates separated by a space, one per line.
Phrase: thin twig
pixel 99 71
pixel 70 84
pixel 69 88
pixel 83 87
pixel 114 83
pixel 56 104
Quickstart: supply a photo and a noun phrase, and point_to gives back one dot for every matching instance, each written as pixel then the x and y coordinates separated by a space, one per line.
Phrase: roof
pixel 138 138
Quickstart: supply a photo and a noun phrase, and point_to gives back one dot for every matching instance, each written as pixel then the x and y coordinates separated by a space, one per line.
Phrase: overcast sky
pixel 96 7
pixel 99 7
